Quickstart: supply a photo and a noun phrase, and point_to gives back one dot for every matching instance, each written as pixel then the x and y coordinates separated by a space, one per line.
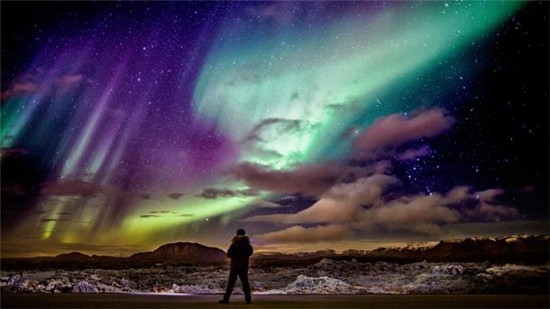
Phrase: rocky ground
pixel 325 277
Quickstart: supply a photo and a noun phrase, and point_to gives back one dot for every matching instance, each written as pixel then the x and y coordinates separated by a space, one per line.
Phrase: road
pixel 272 301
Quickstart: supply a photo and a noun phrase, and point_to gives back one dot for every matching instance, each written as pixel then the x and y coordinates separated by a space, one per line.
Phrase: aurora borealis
pixel 128 125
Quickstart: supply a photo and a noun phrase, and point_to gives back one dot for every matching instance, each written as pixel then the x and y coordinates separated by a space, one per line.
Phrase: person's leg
pixel 230 284
pixel 243 275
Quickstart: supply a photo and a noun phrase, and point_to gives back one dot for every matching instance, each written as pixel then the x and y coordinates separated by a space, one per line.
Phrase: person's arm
pixel 230 252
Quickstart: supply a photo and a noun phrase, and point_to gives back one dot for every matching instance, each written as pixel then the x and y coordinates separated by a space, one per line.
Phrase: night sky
pixel 313 125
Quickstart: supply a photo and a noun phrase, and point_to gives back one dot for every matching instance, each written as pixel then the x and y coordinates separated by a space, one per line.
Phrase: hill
pixel 176 254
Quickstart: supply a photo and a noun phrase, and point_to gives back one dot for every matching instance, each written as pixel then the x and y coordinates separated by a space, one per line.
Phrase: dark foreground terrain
pixel 273 301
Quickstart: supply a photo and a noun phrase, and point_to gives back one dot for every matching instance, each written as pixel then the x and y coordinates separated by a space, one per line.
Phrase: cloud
pixel 367 191
pixel 355 199
pixel 20 89
pixel 269 204
pixel 342 203
pixel 410 154
pixel 52 220
pixel 72 187
pixel 160 213
pixel 493 212
pixel 313 234
pixel 213 193
pixel 309 179
pixel 488 195
pixel 421 213
pixel 274 126
pixel 457 195
pixel 12 152
pixel 287 199
pixel 497 212
pixel 361 207
pixel 28 85
pixel 394 130
pixel 145 196
pixel 262 139
pixel 68 81
pixel 175 196
pixel 149 216
pixel 77 187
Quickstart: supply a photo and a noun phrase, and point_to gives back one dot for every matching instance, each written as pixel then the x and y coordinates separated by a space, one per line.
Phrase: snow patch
pixel 84 287
pixel 317 285
pixel 513 269
pixel 448 269
pixel 194 289
pixel 18 284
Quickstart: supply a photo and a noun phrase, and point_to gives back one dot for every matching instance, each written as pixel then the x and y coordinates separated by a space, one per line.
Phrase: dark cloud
pixel 9 152
pixel 15 189
pixel 149 216
pixel 336 106
pixel 72 187
pixel 341 203
pixel 298 234
pixel 175 196
pixel 52 220
pixel 214 193
pixel 309 179
pixel 489 195
pixel 280 125
pixel 287 199
pixel 269 204
pixel 261 138
pixel 160 213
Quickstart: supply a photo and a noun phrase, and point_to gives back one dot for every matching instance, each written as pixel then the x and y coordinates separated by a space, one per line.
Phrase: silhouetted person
pixel 239 252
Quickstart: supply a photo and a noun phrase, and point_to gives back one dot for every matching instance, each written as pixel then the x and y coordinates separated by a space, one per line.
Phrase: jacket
pixel 239 252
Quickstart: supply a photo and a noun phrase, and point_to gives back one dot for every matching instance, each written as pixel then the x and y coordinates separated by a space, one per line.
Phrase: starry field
pixel 339 125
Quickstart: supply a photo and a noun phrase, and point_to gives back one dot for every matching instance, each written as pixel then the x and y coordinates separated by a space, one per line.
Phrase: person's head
pixel 241 232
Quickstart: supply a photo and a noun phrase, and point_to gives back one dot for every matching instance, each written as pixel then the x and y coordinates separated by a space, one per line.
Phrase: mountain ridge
pixel 513 248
